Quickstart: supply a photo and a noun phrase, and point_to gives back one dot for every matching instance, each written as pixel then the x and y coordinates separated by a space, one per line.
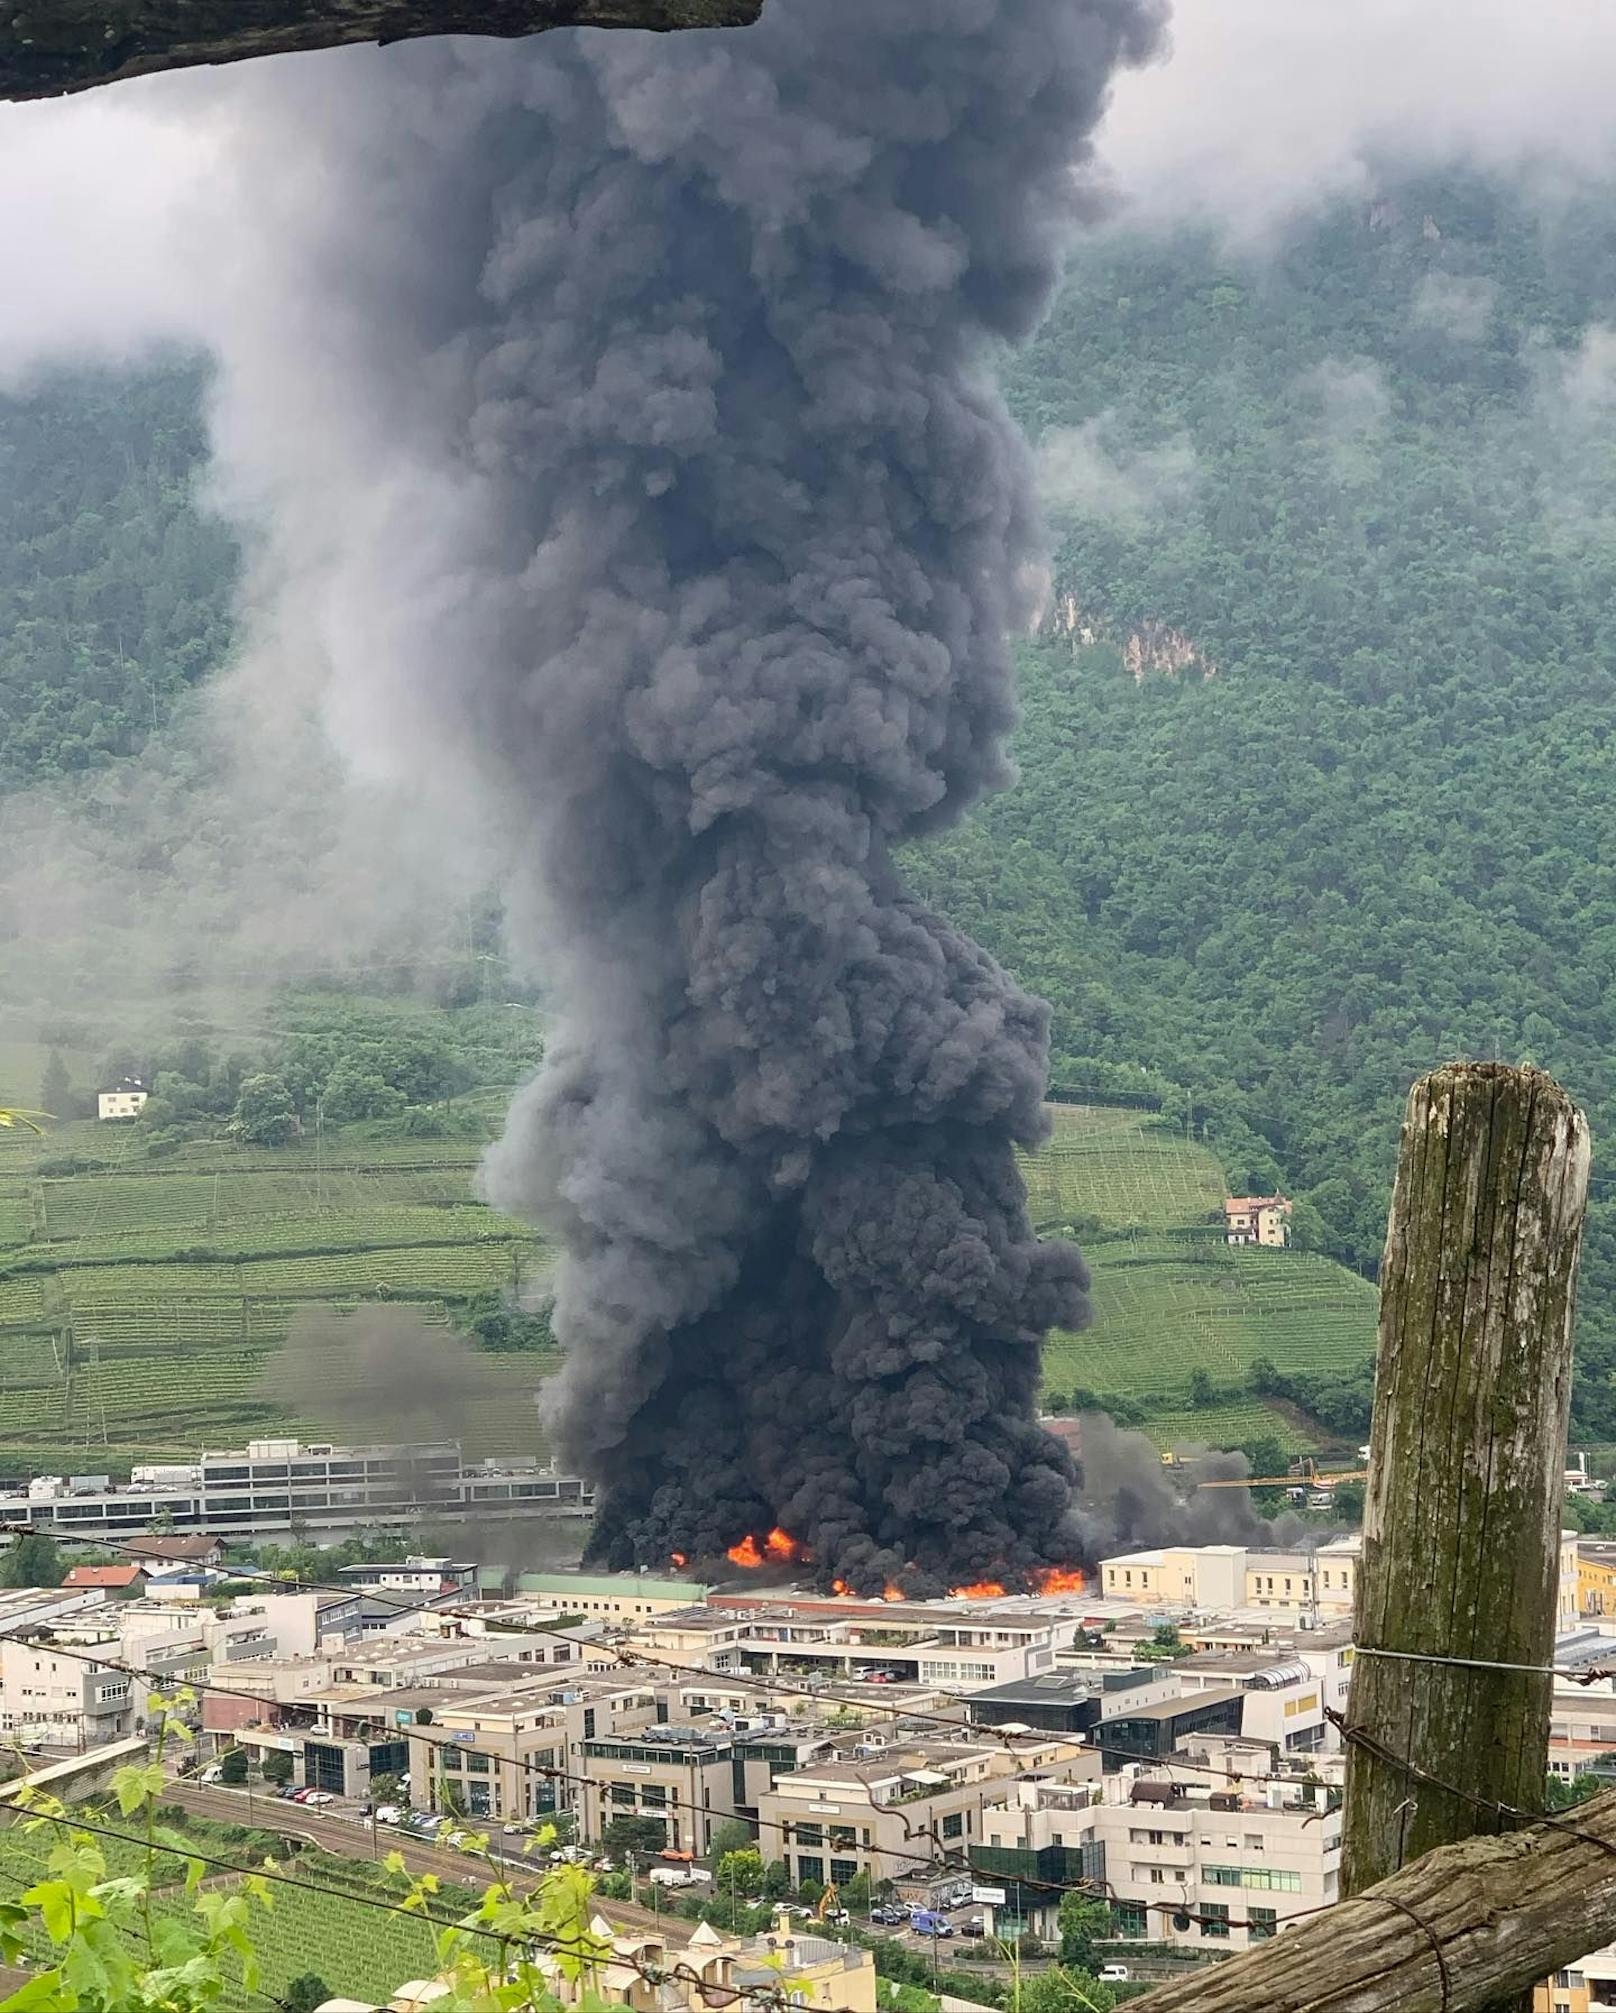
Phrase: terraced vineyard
pixel 362 1952
pixel 143 1301
pixel 1170 1297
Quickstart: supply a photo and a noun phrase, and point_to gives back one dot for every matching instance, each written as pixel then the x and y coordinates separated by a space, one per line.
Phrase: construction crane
pixel 1307 1476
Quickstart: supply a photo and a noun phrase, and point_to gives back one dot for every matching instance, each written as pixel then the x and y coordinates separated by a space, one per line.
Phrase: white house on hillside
pixel 124 1100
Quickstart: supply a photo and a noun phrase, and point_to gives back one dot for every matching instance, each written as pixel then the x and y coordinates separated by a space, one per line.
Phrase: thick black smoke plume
pixel 714 534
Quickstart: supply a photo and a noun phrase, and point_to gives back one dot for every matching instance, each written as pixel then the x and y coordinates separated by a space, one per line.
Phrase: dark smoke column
pixel 625 413
pixel 750 289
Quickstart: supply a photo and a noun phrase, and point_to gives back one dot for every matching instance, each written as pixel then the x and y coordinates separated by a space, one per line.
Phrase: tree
pixel 32 1560
pixel 624 1835
pixel 741 1873
pixel 55 1092
pixel 1347 1501
pixel 1203 1391
pixel 233 1767
pixel 277 1766
pixel 733 1835
pixel 304 1993
pixel 1064 1988
pixel 264 1114
pixel 1082 1919
pixel 776 1880
pixel 856 1894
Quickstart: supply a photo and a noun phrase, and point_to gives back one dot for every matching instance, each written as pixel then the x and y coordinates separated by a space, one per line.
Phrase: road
pixel 351 1838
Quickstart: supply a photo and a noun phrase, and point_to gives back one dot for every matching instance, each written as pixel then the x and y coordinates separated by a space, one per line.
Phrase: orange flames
pixel 892 1592
pixel 979 1590
pixel 1059 1580
pixel 840 1587
pixel 779 1548
pixel 679 1559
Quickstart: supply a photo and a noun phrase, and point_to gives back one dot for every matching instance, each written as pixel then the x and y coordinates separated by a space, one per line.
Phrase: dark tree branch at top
pixel 51 46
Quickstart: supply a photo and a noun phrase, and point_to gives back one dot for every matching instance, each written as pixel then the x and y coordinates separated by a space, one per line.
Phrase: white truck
pixel 680 1876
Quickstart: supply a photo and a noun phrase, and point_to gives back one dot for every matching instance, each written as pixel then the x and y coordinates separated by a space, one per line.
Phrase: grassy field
pixel 143 1302
pixel 1169 1296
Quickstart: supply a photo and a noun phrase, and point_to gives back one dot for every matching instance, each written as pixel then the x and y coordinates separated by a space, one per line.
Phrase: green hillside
pixel 1170 1297
pixel 148 1283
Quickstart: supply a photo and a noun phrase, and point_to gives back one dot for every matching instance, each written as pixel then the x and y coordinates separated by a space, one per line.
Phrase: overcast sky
pixel 1261 105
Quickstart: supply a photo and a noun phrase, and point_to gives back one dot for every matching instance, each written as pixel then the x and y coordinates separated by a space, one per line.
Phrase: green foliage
pixel 264 1113
pixel 1558 1794
pixel 1062 1988
pixel 305 1992
pixel 741 1872
pixel 114 588
pixel 32 1560
pixel 233 1767
pixel 277 1767
pixel 623 1835
pixel 733 1835
pixel 1347 1501
pixel 776 1880
pixel 1380 836
pixel 1083 1919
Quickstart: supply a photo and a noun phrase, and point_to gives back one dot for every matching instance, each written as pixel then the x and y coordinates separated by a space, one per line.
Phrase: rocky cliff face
pixel 52 46
pixel 1151 647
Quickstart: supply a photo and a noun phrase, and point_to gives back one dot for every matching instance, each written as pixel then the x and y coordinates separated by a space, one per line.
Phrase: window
pixel 1214 1918
pixel 953 1825
pixel 589 1722
pixel 811 1834
pixel 1568 1981
pixel 1129 1918
pixel 1254 1841
pixel 844 1835
pixel 1263 1922
pixel 810 1867
pixel 623 1795
pixel 843 1870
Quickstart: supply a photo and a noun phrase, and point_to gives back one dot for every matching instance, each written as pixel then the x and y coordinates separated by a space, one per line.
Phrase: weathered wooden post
pixel 1462 1518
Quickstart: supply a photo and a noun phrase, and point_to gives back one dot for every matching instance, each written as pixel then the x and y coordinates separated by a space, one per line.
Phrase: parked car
pixel 215 1773
pixel 892 1916
pixel 318 1796
pixel 924 1922
pixel 838 1918
pixel 1114 1974
pixel 388 1813
pixel 286 1792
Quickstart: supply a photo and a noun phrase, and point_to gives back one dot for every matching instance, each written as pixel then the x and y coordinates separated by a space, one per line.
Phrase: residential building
pixel 126 1099
pixel 1588 1986
pixel 958 1647
pixel 111 1582
pixel 47 1695
pixel 1232 1579
pixel 175 1549
pixel 886 1807
pixel 1282 1696
pixel 1335 1571
pixel 789 1963
pixel 1206 1868
pixel 1257 1219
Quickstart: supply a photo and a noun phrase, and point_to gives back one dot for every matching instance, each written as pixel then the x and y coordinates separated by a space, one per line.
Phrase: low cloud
pixel 1085 471
pixel 1454 305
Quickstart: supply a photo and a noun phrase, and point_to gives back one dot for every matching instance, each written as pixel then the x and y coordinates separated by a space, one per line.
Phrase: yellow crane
pixel 1307 1476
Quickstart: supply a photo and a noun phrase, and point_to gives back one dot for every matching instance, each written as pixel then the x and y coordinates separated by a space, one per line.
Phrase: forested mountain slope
pixel 1365 492
pixel 114 588
pixel 1349 508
